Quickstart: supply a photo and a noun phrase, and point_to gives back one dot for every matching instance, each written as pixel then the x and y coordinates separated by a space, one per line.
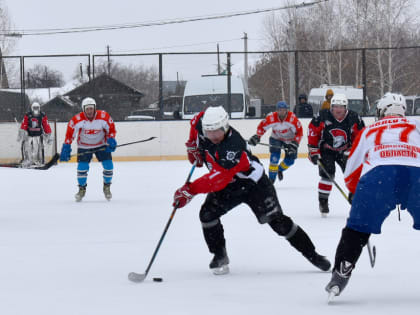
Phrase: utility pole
pixel 81 71
pixel 245 38
pixel 109 60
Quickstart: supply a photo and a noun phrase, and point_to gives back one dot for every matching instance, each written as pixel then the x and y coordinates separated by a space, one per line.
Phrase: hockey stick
pixel 46 166
pixel 371 250
pixel 120 145
pixel 270 145
pixel 139 277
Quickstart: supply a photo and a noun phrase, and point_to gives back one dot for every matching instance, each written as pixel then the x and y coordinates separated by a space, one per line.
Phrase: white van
pixel 211 90
pixel 354 95
pixel 413 105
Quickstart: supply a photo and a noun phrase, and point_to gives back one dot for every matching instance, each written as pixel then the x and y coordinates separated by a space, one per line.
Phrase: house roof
pixel 60 99
pixel 104 84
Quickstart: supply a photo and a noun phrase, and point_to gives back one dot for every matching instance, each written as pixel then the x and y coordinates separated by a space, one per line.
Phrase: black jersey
pixel 327 132
pixel 226 160
pixel 35 124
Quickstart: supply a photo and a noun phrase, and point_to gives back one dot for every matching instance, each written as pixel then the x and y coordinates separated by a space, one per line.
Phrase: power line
pixel 180 46
pixel 53 31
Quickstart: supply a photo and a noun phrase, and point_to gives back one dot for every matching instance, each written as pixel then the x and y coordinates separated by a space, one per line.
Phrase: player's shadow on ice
pixel 388 301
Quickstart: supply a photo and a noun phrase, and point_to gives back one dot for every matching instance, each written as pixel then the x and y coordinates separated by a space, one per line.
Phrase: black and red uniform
pixel 35 125
pixel 332 139
pixel 236 176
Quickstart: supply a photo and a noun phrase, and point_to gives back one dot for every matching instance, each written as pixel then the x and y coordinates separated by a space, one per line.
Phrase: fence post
pixel 365 109
pixel 160 88
pixel 296 79
pixel 229 87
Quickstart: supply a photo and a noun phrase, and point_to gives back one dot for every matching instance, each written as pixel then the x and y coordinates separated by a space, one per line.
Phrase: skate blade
pixel 324 215
pixel 332 293
pixel 78 199
pixel 221 270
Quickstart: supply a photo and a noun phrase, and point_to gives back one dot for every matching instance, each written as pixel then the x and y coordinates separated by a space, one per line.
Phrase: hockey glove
pixel 112 145
pixel 314 154
pixel 254 140
pixel 292 148
pixel 183 196
pixel 22 135
pixel 194 154
pixel 48 138
pixel 65 152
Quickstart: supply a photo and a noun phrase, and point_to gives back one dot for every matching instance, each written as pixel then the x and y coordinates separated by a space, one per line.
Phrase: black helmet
pixel 301 96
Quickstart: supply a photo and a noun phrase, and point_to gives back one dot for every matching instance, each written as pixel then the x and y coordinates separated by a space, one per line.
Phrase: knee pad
pixel 273 215
pixel 274 157
pixel 207 216
pixel 283 226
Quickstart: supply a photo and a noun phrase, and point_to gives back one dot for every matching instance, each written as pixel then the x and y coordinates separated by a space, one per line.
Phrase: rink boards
pixel 169 144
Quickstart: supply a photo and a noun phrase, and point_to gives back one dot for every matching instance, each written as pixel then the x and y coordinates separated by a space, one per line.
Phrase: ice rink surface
pixel 59 257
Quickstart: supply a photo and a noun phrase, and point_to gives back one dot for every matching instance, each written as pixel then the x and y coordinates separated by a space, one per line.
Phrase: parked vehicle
pixel 211 90
pixel 354 95
pixel 142 114
pixel 413 105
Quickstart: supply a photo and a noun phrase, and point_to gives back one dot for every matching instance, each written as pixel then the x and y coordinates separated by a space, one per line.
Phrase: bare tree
pixel 41 76
pixel 7 41
pixel 9 69
pixel 335 26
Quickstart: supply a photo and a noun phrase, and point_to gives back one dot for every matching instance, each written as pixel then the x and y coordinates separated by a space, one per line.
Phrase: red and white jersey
pixel 389 141
pixel 287 130
pixel 90 133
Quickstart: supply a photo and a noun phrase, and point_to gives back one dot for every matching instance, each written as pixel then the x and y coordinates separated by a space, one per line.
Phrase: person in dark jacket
pixel 303 109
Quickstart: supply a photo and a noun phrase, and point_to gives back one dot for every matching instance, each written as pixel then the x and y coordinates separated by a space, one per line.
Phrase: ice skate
pixel 323 207
pixel 320 262
pixel 81 193
pixel 107 191
pixel 220 263
pixel 339 280
pixel 280 175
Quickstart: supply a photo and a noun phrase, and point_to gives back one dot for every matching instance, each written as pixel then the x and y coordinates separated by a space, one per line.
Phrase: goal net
pixel 13 152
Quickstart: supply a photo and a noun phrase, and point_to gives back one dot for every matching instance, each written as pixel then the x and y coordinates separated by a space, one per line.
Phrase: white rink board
pixel 171 137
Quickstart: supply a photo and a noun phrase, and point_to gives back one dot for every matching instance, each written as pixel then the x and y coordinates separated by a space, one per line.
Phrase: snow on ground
pixel 62 257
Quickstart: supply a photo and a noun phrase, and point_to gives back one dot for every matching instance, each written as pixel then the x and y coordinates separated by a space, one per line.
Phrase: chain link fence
pixel 175 85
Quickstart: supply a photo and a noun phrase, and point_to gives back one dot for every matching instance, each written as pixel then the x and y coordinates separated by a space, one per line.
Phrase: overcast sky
pixel 43 14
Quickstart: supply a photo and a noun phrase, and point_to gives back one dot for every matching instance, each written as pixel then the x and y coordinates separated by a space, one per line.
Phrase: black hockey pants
pixel 261 197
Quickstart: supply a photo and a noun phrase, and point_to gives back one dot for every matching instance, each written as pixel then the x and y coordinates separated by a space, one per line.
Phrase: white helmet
pixel 340 100
pixel 36 108
pixel 391 104
pixel 215 118
pixel 88 102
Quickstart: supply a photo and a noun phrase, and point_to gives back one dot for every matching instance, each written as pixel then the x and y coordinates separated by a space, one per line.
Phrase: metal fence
pixel 151 86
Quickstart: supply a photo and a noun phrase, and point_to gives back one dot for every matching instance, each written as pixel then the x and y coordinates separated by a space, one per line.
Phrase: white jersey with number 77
pixel 389 141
